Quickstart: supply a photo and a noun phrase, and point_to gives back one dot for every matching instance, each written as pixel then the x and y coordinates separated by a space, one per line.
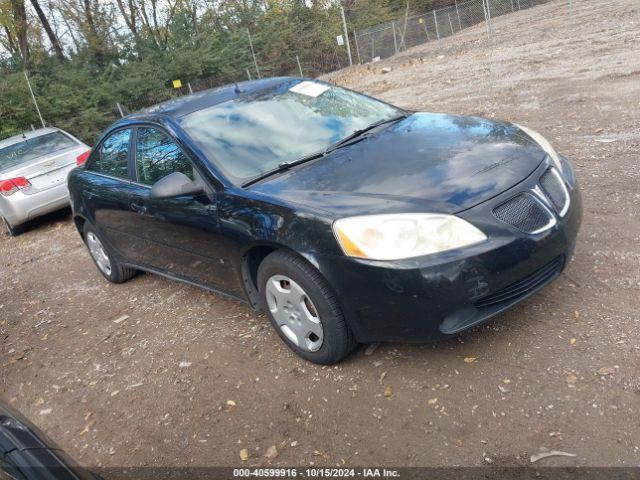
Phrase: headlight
pixel 398 236
pixel 544 144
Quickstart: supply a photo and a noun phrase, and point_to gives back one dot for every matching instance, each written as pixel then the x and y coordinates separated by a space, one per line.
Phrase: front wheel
pixel 303 309
pixel 104 260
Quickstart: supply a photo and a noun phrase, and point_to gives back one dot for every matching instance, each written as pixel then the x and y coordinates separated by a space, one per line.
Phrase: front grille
pixel 524 212
pixel 523 287
pixel 555 191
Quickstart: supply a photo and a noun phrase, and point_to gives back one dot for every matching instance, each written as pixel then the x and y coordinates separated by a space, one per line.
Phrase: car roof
pixel 27 134
pixel 180 106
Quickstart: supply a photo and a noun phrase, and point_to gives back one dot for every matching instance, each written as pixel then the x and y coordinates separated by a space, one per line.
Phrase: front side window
pixel 255 133
pixel 113 156
pixel 157 156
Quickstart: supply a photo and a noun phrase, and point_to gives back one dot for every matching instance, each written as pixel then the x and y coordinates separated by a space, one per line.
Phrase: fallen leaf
pixel 184 364
pixel 244 454
pixel 39 402
pixel 571 378
pixel 572 341
pixel 576 314
pixel 231 403
pixel 271 453
pixel 432 401
pixel 388 392
pixel 606 371
pixel 469 359
pixel 599 130
pixel 552 453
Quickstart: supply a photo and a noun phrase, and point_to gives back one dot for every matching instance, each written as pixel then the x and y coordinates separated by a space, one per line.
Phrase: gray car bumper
pixel 20 208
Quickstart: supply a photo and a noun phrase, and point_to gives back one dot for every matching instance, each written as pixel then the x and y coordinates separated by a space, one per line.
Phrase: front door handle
pixel 136 207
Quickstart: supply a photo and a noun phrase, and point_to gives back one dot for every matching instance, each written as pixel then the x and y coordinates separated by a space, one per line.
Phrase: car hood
pixel 427 162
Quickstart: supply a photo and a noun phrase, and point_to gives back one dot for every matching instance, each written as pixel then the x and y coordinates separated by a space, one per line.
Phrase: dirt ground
pixel 154 372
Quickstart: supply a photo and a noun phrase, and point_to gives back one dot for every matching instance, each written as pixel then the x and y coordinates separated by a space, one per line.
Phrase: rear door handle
pixel 136 207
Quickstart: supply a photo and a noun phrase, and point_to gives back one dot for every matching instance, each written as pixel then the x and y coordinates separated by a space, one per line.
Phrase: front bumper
pixel 20 207
pixel 428 298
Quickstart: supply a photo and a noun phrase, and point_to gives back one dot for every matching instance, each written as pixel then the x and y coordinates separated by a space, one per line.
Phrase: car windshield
pixel 32 148
pixel 254 134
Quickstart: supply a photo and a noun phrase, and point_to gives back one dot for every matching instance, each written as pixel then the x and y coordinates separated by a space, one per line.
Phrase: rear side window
pixel 32 148
pixel 157 156
pixel 113 156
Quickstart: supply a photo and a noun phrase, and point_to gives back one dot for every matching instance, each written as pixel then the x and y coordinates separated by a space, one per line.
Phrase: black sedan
pixel 342 217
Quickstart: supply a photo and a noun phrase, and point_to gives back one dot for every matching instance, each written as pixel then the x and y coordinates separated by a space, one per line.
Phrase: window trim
pixel 96 152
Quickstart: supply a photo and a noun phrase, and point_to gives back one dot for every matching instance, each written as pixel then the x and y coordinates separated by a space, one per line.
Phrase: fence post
pixel 458 14
pixel 571 11
pixel 189 87
pixel 299 66
pixel 426 31
pixel 120 109
pixel 248 73
pixel 395 40
pixel 450 24
pixel 486 16
pixel 346 34
pixel 355 39
pixel 253 53
pixel 518 4
pixel 512 5
pixel 435 20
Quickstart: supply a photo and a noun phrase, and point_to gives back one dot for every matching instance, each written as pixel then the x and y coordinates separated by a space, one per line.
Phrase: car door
pixel 106 188
pixel 181 234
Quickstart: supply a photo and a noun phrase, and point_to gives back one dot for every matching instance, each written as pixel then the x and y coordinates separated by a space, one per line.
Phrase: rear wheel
pixel 303 309
pixel 104 260
pixel 14 231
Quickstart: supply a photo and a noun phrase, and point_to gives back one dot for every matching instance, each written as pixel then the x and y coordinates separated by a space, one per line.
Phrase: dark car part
pixel 27 454
pixel 303 309
pixel 108 266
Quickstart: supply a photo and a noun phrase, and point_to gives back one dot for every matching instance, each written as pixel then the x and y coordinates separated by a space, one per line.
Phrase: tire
pixel 114 272
pixel 15 231
pixel 282 278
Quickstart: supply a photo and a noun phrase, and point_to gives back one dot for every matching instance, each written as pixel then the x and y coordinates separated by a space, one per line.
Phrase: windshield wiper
pixel 348 139
pixel 358 133
pixel 284 166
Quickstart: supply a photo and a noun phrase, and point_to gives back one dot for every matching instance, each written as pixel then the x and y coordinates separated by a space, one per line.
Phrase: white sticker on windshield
pixel 310 89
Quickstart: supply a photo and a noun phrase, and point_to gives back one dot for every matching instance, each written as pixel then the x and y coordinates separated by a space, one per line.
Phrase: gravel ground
pixel 154 372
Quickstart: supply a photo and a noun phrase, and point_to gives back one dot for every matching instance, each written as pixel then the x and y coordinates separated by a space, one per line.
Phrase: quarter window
pixel 158 156
pixel 113 156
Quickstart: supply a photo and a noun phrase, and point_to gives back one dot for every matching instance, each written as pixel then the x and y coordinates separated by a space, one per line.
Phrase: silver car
pixel 33 174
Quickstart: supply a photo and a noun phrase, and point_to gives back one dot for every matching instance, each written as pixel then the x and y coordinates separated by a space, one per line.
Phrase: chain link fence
pixel 387 39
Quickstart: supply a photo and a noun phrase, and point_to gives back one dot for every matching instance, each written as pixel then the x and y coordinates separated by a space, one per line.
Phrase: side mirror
pixel 174 185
